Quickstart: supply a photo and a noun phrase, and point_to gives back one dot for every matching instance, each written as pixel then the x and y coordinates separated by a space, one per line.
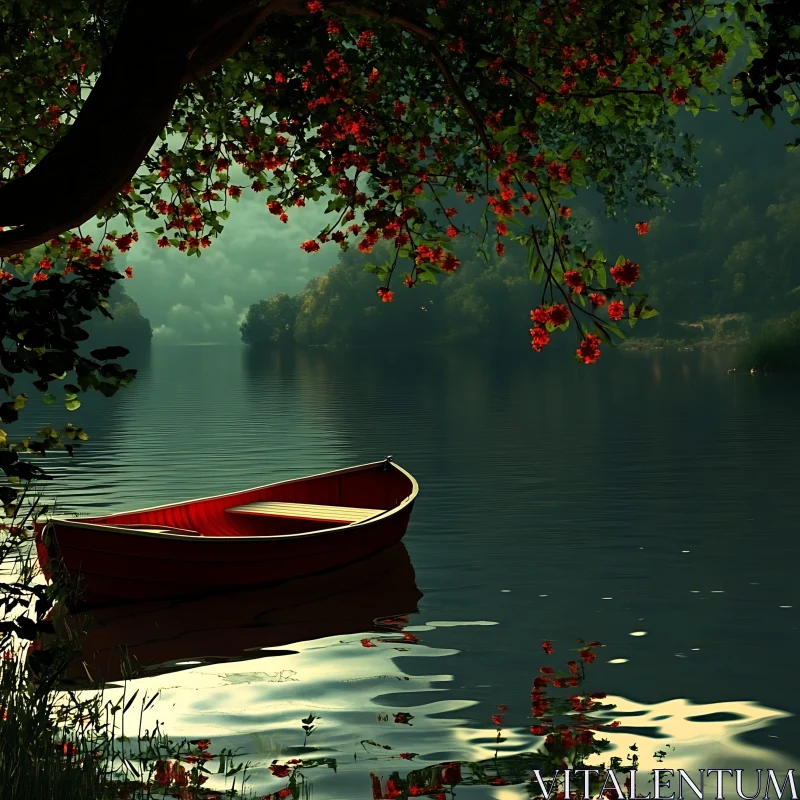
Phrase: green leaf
pixel 567 150
pixel 49 398
pixel 73 404
pixel 614 329
pixel 109 353
pixel 768 120
pixel 427 277
pixel 506 132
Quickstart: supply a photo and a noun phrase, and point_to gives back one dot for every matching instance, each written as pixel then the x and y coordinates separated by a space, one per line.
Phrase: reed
pixel 775 347
pixel 41 757
pixel 56 744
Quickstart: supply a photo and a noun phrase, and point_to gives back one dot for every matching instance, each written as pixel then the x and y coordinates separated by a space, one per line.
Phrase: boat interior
pixel 321 502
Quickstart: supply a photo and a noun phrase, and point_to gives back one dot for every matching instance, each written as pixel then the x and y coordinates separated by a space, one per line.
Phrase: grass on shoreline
pixel 775 347
pixel 61 745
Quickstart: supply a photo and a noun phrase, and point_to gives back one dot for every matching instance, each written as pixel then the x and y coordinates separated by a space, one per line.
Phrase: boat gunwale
pixel 103 528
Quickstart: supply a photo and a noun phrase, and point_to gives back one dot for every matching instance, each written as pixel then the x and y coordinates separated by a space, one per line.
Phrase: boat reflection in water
pixel 156 637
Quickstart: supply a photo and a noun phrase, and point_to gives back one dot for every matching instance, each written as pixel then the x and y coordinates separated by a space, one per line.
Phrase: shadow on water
pixel 153 638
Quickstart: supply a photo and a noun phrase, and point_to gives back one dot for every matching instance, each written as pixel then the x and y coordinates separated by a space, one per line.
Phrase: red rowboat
pixel 269 534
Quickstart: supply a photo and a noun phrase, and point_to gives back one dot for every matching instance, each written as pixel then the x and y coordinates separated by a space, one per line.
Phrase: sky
pixel 190 299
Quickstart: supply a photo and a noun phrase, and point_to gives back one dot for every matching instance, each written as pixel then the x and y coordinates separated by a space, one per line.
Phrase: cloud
pixel 189 299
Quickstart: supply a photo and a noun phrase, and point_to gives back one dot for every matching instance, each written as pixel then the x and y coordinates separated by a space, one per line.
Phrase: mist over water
pixel 648 502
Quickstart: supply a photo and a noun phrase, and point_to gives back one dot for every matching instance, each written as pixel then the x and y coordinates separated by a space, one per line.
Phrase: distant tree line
pixel 481 301
pixel 727 252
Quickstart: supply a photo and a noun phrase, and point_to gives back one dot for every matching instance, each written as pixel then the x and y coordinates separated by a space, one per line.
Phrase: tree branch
pixel 129 105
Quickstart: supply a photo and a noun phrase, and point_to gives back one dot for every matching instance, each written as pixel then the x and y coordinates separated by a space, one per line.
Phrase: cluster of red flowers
pixel 616 308
pixel 434 782
pixel 286 770
pixel 589 349
pixel 330 118
pixel 544 318
pixel 73 250
pixel 171 773
pixel 625 274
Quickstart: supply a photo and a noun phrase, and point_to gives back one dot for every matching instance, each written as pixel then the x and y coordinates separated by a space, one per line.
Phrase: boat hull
pixel 110 562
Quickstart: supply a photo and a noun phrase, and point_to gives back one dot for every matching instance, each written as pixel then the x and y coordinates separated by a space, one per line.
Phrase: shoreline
pixel 650 344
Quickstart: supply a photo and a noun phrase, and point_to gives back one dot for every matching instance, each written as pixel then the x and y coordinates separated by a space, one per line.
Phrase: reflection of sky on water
pixel 257 707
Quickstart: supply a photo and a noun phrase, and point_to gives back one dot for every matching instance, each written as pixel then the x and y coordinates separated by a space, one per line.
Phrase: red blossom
pixel 679 95
pixel 597 299
pixel 616 309
pixel 129 272
pixel 163 774
pixel 558 315
pixel 365 40
pixel 540 338
pixel 574 280
pixel 589 352
pixel 625 274
pixel 449 264
pixel 547 647
pixel 309 246
pixel 642 228
pixel 718 59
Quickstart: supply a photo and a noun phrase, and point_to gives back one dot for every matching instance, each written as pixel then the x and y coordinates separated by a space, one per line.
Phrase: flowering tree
pixel 392 112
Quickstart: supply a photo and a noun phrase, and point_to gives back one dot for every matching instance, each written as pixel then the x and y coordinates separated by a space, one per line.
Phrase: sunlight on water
pixel 257 707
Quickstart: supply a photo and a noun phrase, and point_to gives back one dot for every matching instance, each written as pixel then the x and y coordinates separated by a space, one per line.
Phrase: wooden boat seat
pixel 312 511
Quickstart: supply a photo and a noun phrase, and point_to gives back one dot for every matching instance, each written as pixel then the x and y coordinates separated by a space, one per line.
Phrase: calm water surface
pixel 655 496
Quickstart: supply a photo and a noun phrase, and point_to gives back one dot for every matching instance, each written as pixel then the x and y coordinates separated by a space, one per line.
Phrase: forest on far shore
pixel 718 265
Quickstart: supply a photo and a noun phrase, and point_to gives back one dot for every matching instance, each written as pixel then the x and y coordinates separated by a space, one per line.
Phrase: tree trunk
pixel 129 105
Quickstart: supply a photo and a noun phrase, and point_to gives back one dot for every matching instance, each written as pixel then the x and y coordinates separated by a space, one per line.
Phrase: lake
pixel 650 502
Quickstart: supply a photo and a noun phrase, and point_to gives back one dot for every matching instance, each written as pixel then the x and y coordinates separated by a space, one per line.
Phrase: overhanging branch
pixel 129 105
